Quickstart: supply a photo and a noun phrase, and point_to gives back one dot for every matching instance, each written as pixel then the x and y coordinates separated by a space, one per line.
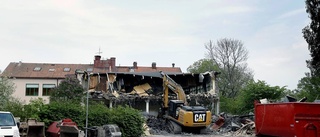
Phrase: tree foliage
pixel 18 109
pixel 56 111
pixel 32 109
pixel 7 88
pixel 312 36
pixel 256 91
pixel 202 66
pixel 309 87
pixel 230 56
pixel 68 90
pixel 128 119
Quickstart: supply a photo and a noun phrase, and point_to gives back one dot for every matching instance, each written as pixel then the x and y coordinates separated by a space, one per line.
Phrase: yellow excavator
pixel 179 115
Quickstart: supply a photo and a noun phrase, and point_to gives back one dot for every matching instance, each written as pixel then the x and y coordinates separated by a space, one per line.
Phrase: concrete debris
pixel 234 125
pixel 116 94
pixel 141 90
pixel 247 129
pixel 224 124
pixel 264 101
pixel 157 126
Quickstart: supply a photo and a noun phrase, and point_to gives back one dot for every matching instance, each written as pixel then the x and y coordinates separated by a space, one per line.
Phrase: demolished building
pixel 138 88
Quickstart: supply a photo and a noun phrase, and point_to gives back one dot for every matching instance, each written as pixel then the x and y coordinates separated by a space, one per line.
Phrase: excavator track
pixel 174 127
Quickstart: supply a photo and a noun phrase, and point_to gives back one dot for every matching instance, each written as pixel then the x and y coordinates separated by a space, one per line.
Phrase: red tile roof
pixel 26 70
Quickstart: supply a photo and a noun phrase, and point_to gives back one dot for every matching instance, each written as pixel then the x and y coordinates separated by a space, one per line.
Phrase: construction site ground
pixel 189 135
pixel 232 126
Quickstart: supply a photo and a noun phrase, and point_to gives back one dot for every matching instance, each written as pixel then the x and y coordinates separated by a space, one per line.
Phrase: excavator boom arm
pixel 169 83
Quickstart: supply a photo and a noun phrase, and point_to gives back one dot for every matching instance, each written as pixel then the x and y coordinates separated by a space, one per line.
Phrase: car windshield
pixel 6 119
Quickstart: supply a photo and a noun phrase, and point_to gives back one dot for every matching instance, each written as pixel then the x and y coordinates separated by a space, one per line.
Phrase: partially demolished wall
pixel 132 88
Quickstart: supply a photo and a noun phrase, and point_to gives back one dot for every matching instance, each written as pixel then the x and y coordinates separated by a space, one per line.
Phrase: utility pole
pixel 87 104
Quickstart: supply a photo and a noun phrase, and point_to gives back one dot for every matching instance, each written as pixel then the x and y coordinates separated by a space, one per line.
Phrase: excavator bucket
pixel 35 128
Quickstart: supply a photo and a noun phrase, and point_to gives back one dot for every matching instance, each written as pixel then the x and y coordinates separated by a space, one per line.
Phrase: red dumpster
pixel 53 130
pixel 58 129
pixel 292 119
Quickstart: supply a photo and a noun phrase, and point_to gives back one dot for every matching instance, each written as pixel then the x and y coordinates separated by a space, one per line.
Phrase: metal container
pixel 292 119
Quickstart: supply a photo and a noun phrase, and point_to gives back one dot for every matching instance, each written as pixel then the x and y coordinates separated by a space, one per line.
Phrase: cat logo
pixel 199 117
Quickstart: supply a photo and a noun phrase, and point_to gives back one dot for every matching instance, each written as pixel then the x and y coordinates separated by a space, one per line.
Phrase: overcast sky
pixel 161 31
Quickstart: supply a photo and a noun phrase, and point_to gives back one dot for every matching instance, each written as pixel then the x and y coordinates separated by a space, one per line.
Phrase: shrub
pixel 128 119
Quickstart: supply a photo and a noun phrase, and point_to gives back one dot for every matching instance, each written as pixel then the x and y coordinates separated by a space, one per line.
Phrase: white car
pixel 8 125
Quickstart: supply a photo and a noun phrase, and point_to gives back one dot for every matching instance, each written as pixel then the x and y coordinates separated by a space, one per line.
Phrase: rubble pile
pixel 157 126
pixel 224 124
pixel 234 125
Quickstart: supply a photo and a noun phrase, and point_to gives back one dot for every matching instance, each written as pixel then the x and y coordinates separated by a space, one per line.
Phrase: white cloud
pixel 292 13
pixel 153 31
pixel 234 10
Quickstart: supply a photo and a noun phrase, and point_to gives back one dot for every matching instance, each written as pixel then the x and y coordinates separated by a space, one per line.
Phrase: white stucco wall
pixel 20 90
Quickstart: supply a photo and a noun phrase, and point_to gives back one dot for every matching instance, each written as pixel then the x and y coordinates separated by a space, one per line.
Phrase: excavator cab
pixel 174 107
pixel 188 118
pixel 189 115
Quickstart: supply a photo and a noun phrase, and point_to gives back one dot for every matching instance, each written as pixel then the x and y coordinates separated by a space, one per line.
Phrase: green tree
pixel 55 111
pixel 202 66
pixel 312 36
pixel 128 119
pixel 7 88
pixel 68 90
pixel 14 106
pixel 32 109
pixel 230 56
pixel 256 91
pixel 309 87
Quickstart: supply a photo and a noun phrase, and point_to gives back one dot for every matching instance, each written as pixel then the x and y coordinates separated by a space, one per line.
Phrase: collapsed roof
pixel 145 84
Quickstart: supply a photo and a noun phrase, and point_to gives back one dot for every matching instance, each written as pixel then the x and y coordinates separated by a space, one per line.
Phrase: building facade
pixel 36 80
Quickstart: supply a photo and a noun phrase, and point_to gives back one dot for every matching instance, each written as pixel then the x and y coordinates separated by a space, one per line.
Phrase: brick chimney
pixel 105 63
pixel 173 65
pixel 97 61
pixel 154 65
pixel 97 57
pixel 135 65
pixel 113 63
